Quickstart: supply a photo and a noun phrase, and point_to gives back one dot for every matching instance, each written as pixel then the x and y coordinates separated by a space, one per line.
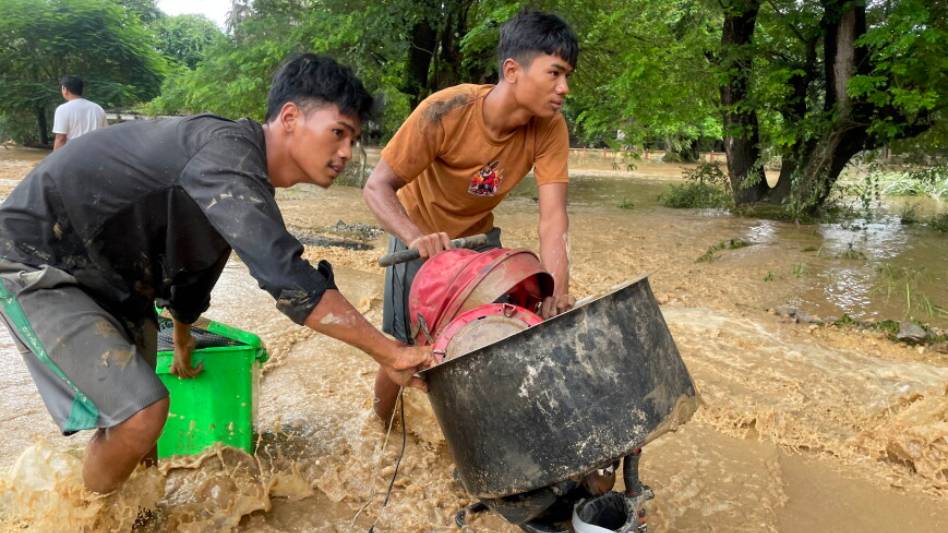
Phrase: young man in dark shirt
pixel 148 212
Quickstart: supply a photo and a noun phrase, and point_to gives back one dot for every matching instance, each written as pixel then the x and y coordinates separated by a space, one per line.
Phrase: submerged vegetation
pixel 729 244
pixel 695 195
pixel 902 283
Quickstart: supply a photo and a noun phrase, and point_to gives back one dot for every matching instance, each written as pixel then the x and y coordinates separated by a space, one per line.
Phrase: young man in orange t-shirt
pixel 461 152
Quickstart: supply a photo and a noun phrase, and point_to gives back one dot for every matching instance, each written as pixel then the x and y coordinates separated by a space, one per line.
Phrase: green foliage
pixel 706 187
pixel 907 43
pixel 480 42
pixel 869 194
pixel 19 126
pixel 234 79
pixel 644 70
pixel 629 161
pixel 924 181
pixel 650 73
pixel 145 10
pixel 650 79
pixel 888 326
pixel 846 321
pixel 695 195
pixel 185 39
pixel 707 172
pixel 42 40
pixel 896 92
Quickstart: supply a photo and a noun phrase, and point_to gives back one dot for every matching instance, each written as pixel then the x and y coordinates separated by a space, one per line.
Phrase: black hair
pixel 311 78
pixel 532 32
pixel 73 84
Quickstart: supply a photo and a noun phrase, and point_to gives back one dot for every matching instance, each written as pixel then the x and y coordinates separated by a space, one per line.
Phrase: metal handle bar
pixel 403 256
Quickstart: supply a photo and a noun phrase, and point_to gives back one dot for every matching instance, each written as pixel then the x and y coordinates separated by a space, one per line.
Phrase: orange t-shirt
pixel 457 172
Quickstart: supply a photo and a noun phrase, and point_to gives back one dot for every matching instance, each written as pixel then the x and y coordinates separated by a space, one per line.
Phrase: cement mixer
pixel 532 409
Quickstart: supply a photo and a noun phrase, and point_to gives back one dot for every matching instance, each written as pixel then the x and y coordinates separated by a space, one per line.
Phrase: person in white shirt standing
pixel 77 116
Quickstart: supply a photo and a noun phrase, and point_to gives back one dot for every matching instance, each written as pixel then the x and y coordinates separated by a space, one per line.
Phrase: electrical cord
pixel 401 454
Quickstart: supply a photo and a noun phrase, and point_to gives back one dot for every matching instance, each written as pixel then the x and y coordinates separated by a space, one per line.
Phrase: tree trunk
pixel 450 57
pixel 824 164
pixel 43 127
pixel 741 127
pixel 793 112
pixel 445 74
pixel 827 138
pixel 420 51
pixel 821 162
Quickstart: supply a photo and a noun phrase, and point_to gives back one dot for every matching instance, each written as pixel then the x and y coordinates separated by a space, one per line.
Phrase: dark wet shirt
pixel 151 210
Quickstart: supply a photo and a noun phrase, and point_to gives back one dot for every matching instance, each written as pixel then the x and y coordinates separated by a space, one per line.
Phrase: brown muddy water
pixel 802 427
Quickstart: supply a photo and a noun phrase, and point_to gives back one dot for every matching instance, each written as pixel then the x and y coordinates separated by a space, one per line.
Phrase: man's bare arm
pixel 554 245
pixel 334 316
pixel 59 141
pixel 379 195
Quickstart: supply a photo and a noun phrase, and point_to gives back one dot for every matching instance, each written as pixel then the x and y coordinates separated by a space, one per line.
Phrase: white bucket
pixel 602 513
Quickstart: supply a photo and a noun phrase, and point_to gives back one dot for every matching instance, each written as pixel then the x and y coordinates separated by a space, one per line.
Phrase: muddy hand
pixel 432 244
pixel 408 361
pixel 554 305
pixel 181 363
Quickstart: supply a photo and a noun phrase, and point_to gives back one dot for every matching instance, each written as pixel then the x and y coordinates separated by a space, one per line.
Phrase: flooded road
pixel 802 427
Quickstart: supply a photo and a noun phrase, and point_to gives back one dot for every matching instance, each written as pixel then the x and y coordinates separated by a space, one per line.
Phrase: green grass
pixel 770 276
pixel 798 270
pixel 625 204
pixel 902 283
pixel 729 244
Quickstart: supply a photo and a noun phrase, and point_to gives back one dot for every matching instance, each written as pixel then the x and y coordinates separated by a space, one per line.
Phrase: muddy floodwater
pixel 802 426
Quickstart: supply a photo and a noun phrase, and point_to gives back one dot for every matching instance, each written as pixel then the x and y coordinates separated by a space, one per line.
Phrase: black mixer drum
pixel 564 397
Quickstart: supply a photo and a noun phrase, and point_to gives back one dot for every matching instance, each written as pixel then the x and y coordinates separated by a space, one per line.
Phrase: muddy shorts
pixel 92 369
pixel 398 280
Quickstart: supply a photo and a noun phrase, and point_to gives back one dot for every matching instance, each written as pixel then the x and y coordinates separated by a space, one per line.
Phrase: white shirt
pixel 77 117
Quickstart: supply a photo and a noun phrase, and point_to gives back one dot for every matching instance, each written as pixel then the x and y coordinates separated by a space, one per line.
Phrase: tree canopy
pixel 98 40
pixel 799 85
pixel 185 39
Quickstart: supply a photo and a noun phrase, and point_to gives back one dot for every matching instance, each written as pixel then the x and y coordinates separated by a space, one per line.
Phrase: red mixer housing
pixel 462 300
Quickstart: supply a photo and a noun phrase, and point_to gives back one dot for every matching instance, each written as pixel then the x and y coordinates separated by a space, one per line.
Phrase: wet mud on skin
pixel 801 428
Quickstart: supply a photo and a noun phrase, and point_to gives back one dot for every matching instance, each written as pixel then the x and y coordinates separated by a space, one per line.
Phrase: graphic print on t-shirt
pixel 487 180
